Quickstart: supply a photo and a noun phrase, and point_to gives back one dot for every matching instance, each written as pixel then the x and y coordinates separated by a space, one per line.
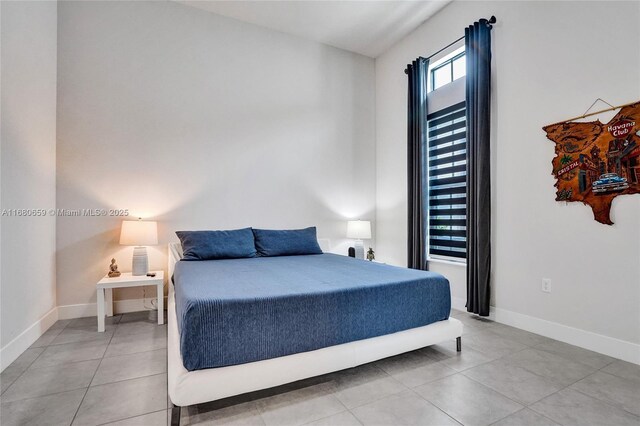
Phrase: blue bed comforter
pixel 236 311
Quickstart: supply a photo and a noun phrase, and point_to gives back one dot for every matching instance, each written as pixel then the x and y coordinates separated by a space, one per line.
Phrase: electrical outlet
pixel 546 285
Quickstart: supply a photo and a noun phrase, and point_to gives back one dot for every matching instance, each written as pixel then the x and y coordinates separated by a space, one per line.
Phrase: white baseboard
pixel 17 346
pixel 77 311
pixel 119 307
pixel 621 349
pixel 21 343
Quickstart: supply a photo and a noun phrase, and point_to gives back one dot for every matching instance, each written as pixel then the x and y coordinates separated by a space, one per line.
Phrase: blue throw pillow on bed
pixel 288 242
pixel 211 245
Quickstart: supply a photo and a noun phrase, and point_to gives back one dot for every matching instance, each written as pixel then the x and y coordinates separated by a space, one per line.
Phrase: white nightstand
pixel 106 284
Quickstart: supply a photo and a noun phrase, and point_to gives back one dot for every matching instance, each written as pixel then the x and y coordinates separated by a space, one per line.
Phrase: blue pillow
pixel 286 242
pixel 210 245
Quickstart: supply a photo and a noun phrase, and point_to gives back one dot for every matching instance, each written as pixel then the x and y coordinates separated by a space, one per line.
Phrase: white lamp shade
pixel 359 229
pixel 139 233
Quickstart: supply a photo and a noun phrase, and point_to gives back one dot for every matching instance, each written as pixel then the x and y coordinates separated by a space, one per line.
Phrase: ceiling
pixel 365 27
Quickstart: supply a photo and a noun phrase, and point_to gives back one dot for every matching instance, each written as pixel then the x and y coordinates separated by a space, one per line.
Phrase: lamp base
pixel 359 246
pixel 140 263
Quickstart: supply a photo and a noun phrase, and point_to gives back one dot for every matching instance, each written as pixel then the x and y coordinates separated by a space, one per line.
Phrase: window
pixel 448 69
pixel 447 164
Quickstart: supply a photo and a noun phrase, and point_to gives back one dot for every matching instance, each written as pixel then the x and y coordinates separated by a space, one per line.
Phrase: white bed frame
pixel 196 387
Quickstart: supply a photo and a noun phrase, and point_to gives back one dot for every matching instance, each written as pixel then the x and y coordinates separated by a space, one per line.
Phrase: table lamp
pixel 139 233
pixel 359 230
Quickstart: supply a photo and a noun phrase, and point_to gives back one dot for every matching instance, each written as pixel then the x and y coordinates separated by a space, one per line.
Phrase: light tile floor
pixel 503 376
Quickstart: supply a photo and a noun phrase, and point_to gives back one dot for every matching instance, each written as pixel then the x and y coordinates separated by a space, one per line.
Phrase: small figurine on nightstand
pixel 371 255
pixel 113 269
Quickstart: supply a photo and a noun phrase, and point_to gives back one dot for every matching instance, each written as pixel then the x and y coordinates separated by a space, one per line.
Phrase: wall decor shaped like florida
pixel 596 162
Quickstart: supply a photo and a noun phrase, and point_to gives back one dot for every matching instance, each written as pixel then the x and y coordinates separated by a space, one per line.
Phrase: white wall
pixel 551 61
pixel 28 167
pixel 202 122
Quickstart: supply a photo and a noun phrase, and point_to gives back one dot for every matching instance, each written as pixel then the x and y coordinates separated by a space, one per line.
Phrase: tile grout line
pixel 25 370
pixel 608 364
pixel 133 417
pixel 325 417
pixel 526 408
pixel 569 385
pixel 438 408
pixel 47 346
pixel 386 375
pixel 132 353
pixel 600 400
pixel 571 360
pixel 530 372
pixel 498 392
pixel 377 399
pixel 137 352
pixel 118 381
pixel 36 358
pixel 461 372
pixel 64 364
pixel 473 366
pixel 92 377
pixel 355 417
pixel 599 370
pixel 326 393
pixel 126 380
pixel 522 404
pixel 535 374
pixel 501 356
pixel 373 401
pixel 43 396
pixel 525 405
pixel 78 341
pixel 530 406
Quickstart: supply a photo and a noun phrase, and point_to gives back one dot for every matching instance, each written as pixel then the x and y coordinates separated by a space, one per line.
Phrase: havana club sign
pixel 596 162
pixel 621 129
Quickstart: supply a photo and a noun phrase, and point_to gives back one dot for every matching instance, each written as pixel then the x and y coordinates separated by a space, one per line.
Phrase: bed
pixel 271 321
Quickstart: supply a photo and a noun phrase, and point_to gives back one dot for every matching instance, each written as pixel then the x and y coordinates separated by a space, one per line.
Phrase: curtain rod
pixel 490 21
pixel 445 48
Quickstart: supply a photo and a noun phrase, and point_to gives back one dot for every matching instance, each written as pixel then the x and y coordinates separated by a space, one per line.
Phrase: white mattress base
pixel 196 387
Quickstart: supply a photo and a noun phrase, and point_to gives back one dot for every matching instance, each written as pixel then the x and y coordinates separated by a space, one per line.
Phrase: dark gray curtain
pixel 416 162
pixel 478 99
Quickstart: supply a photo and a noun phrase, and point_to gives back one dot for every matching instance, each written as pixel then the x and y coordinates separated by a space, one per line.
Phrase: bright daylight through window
pixel 446 157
